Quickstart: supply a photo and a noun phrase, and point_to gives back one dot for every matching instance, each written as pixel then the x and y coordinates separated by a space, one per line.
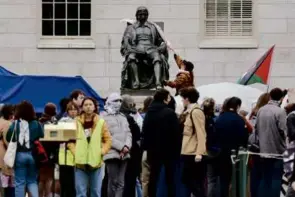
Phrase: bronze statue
pixel 146 54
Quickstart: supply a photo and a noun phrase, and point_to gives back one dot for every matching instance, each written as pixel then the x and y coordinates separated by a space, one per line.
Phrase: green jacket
pixel 36 131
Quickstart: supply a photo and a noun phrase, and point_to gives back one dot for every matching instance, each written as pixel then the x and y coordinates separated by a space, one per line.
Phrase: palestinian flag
pixel 259 73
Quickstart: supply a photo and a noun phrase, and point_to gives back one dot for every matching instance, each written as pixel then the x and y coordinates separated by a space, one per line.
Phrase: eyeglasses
pixel 118 100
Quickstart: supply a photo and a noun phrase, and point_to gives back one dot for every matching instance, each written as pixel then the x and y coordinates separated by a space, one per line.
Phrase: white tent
pixel 221 91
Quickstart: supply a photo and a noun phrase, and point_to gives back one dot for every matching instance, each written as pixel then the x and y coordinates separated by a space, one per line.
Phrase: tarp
pixel 5 72
pixel 39 90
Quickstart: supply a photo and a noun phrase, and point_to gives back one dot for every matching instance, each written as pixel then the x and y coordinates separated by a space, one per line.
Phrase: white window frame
pixel 65 42
pixel 228 42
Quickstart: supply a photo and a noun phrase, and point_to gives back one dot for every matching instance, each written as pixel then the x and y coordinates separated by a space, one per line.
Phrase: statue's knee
pixel 156 58
pixel 157 61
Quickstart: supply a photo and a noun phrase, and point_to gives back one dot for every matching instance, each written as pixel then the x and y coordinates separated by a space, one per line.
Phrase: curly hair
pixel 25 110
pixel 190 93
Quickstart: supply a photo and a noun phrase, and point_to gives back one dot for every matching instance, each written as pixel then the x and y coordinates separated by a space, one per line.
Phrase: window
pixel 228 20
pixel 65 19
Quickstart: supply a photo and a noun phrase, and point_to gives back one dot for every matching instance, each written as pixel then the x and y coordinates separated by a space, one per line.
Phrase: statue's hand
pixel 130 49
pixel 198 158
pixel 162 47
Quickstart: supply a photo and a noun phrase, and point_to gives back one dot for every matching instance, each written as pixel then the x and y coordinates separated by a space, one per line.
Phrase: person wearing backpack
pixel 193 144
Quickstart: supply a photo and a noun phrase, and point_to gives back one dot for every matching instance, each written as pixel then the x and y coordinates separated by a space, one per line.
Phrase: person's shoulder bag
pixel 39 153
pixel 9 157
pixel 191 117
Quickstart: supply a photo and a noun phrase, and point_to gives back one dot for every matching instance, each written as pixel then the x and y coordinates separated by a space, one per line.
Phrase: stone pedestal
pixel 138 95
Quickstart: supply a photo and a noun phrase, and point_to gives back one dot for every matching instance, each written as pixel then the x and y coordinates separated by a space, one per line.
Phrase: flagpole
pixel 270 70
pixel 267 90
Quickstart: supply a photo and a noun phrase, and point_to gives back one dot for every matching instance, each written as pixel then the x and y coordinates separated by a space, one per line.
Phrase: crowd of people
pixel 120 150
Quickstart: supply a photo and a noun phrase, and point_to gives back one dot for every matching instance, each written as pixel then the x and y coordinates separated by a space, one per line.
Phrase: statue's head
pixel 142 14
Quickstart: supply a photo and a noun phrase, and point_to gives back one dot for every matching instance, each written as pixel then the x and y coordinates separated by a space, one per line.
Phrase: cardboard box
pixel 60 132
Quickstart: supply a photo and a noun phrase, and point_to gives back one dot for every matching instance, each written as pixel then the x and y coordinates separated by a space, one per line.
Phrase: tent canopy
pixel 39 90
pixel 4 71
pixel 221 91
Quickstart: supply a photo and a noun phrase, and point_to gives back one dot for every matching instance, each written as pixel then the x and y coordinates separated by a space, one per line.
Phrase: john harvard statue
pixel 145 54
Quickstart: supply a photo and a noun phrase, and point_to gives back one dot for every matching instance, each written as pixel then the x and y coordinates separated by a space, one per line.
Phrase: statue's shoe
pixel 159 87
pixel 136 86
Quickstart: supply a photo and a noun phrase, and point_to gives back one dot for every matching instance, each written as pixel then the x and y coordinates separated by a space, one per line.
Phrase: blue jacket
pixel 211 140
pixel 231 132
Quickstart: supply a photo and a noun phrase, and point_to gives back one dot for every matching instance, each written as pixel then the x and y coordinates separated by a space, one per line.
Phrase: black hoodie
pixel 161 132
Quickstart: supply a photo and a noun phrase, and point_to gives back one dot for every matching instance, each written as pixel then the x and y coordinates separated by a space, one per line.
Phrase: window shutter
pixel 228 18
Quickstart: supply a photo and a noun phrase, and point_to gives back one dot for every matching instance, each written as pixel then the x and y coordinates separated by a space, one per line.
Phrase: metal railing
pixel 240 174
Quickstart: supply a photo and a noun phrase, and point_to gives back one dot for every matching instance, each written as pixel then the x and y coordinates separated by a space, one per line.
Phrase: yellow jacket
pixel 105 134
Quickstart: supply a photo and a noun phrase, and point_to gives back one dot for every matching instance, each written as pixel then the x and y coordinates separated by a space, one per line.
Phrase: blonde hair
pixel 208 106
pixel 71 105
pixel 262 100
pixel 208 102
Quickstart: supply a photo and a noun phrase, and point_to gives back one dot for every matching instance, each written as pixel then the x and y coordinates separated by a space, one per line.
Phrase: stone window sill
pixel 228 44
pixel 66 43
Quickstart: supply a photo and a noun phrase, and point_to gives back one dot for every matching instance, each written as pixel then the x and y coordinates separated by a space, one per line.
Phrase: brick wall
pixel 101 67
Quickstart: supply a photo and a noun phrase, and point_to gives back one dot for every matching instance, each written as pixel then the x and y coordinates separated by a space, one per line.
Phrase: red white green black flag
pixel 259 73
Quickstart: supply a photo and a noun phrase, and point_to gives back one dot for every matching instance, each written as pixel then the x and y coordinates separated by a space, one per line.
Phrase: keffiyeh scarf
pixel 113 104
